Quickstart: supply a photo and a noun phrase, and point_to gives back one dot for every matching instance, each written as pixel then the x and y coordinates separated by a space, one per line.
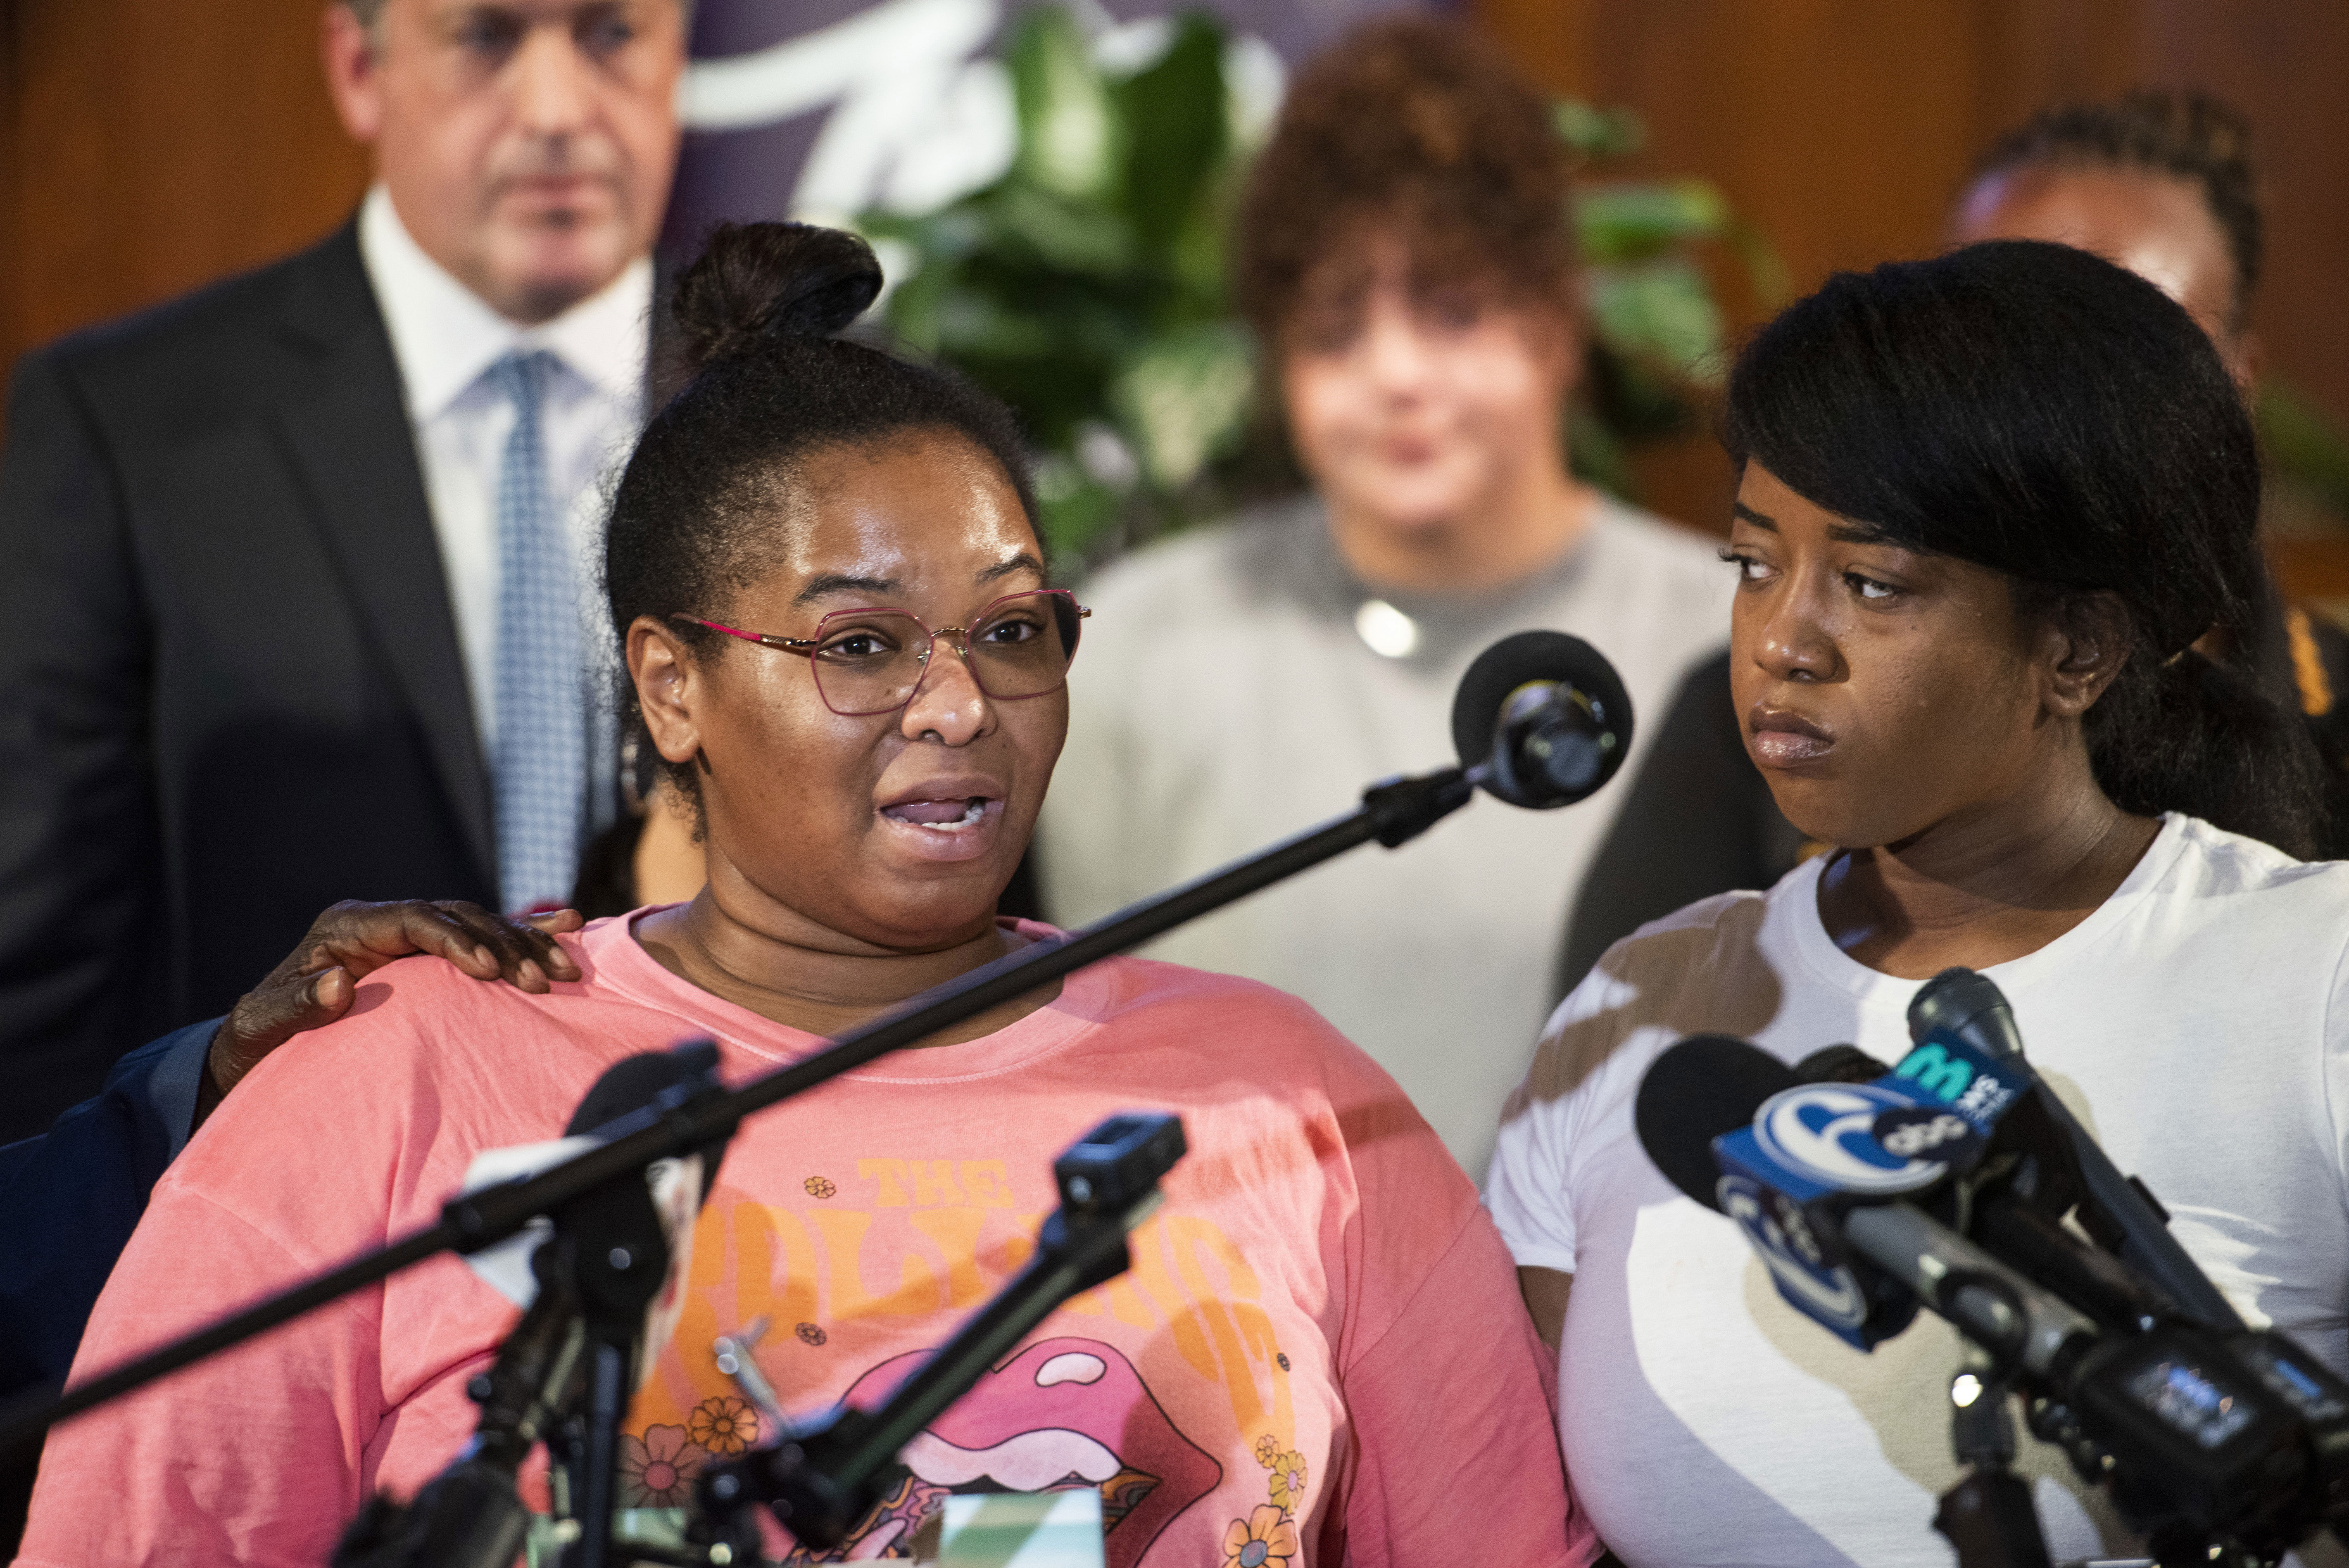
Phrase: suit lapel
pixel 347 429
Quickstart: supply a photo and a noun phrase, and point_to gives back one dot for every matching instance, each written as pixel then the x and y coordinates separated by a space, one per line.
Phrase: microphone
pixel 471 1515
pixel 1858 1269
pixel 1541 719
pixel 645 1087
pixel 2234 1437
pixel 1961 1011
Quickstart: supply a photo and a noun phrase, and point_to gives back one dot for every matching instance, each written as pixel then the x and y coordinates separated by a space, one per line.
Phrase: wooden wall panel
pixel 1844 127
pixel 148 146
pixel 2286 63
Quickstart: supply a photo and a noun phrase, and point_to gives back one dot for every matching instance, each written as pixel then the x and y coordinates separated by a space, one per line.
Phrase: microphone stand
pixel 1988 1516
pixel 1393 813
pixel 597 1273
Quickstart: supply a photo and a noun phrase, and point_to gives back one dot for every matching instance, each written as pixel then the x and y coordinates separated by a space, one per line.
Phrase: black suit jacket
pixel 233 692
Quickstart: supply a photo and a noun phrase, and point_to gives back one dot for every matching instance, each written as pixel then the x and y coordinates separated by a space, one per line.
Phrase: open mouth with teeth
pixel 944 816
pixel 1062 1414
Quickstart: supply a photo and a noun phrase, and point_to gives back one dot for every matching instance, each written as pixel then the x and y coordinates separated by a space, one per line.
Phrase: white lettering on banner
pixel 919 119
pixel 915 121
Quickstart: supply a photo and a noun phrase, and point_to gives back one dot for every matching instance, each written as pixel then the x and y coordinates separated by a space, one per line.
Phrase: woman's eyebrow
pixel 837 581
pixel 1840 532
pixel 1023 562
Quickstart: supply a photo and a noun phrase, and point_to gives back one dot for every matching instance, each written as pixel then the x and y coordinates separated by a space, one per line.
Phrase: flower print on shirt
pixel 725 1425
pixel 657 1471
pixel 1288 1481
pixel 1266 1539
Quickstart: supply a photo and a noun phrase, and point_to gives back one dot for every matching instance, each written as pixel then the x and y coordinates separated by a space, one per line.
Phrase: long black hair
pixel 2032 409
pixel 700 509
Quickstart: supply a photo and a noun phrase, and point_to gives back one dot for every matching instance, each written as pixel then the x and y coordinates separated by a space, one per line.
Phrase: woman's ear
pixel 2088 643
pixel 668 687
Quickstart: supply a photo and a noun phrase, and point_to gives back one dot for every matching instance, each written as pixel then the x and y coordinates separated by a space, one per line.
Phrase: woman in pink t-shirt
pixel 1318 1356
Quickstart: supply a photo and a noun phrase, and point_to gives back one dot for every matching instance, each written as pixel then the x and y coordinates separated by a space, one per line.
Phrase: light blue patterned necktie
pixel 539 761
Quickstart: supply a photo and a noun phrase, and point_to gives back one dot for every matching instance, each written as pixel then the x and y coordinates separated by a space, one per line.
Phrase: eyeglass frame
pixel 805 647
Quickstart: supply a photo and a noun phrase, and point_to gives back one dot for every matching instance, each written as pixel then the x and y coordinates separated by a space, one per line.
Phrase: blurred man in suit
pixel 300 578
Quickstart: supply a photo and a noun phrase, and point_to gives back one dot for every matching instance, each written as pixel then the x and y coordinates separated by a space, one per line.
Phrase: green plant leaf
pixel 1598 132
pixel 1057 233
pixel 1596 454
pixel 1176 132
pixel 1069 133
pixel 1629 221
pixel 1184 398
pixel 2304 444
pixel 1078 512
pixel 1661 313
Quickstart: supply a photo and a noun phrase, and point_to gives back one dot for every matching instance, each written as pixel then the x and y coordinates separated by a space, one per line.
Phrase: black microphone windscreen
pixel 1969 1005
pixel 1840 1064
pixel 1510 664
pixel 634 1082
pixel 1701 1088
pixel 628 1085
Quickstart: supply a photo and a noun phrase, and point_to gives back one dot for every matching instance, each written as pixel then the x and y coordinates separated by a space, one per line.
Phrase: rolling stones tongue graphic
pixel 1060 1414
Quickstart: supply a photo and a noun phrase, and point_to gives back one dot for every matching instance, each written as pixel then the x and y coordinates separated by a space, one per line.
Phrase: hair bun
pixel 755 281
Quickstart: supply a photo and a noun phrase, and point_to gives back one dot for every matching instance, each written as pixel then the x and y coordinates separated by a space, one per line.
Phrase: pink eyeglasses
pixel 871 660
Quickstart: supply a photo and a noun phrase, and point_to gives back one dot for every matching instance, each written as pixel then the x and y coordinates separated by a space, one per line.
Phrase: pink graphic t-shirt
pixel 1318 1356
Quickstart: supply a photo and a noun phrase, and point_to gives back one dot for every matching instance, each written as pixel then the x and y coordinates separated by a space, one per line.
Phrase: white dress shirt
pixel 444 336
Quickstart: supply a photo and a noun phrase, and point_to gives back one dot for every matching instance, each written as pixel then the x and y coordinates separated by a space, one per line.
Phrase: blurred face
pixel 1885 692
pixel 897 829
pixel 2157 227
pixel 526 144
pixel 1413 403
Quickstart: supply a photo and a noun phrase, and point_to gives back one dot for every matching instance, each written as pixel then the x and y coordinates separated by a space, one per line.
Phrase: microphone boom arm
pixel 1393 813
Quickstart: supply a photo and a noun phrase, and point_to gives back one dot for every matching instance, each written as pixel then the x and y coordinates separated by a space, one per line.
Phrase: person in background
pixel 824 566
pixel 1405 253
pixel 1976 558
pixel 70 1198
pixel 294 592
pixel 2161 183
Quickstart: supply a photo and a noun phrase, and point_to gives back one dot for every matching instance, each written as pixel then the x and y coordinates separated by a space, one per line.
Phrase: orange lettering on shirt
pixel 669 1392
pixel 987 1183
pixel 890 1175
pixel 955 1234
pixel 1010 1254
pixel 933 1185
pixel 791 1301
pixel 733 1242
pixel 1118 1298
pixel 1242 1333
pixel 920 1291
pixel 1148 1247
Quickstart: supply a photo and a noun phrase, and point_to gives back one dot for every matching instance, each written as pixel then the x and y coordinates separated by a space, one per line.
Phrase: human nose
pixel 1787 632
pixel 1393 349
pixel 550 90
pixel 947 701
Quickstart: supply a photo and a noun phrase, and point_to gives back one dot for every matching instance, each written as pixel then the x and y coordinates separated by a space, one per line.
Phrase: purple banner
pixel 824 108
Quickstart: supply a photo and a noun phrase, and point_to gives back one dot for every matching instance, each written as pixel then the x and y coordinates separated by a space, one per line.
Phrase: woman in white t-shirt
pixel 1989 503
